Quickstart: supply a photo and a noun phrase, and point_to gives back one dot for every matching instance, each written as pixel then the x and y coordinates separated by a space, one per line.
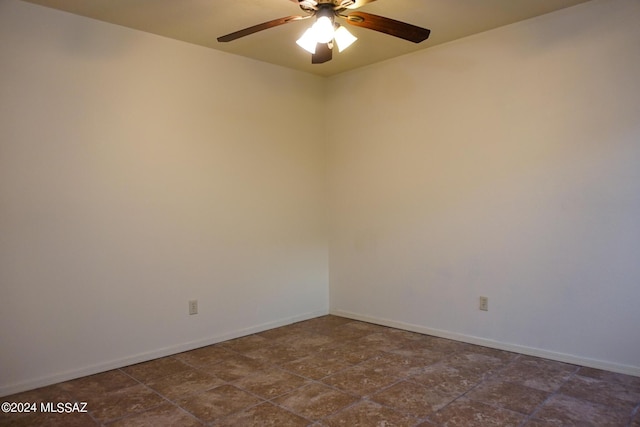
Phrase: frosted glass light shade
pixel 308 41
pixel 343 38
pixel 323 28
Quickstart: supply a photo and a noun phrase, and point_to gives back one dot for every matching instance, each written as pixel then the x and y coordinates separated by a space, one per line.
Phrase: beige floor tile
pixel 541 374
pixel 361 380
pixel 467 413
pixel 346 333
pixel 315 401
pixel 336 349
pixel 118 403
pixel 609 393
pixel 49 420
pixel 612 377
pixel 326 325
pixel 439 345
pixel 99 383
pixel 382 341
pixel 365 327
pixel 514 397
pixel 53 393
pixel 184 383
pixel 153 369
pixel 271 383
pixel 407 335
pixel 563 411
pixel 412 399
pixel 218 403
pixel 163 415
pixel 447 379
pixel 264 415
pixel 425 355
pixel 282 333
pixel 309 342
pixel 396 365
pixel 505 356
pixel 277 354
pixel 247 344
pixel 235 368
pixel 206 356
pixel 475 362
pixel 365 414
pixel 316 366
pixel 349 351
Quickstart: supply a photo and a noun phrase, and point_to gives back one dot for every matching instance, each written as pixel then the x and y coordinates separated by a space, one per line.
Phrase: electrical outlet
pixel 484 303
pixel 193 306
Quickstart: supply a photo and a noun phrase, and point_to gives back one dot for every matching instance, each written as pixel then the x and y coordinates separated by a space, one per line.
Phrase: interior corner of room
pixel 139 173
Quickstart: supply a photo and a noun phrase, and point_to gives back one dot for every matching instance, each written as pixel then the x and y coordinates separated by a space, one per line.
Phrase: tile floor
pixel 331 371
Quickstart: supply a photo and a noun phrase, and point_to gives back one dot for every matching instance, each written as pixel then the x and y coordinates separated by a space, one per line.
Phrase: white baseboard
pixel 530 351
pixel 31 384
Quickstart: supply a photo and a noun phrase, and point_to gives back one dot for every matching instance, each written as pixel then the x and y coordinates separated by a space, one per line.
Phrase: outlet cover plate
pixel 193 307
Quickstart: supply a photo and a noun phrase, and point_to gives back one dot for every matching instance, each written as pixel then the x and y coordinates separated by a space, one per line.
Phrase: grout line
pixel 146 409
pixel 551 395
pixel 636 411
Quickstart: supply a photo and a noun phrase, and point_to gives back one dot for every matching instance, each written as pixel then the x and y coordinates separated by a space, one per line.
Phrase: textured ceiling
pixel 202 21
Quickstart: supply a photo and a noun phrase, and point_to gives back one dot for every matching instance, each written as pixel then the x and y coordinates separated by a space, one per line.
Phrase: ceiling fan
pixel 319 39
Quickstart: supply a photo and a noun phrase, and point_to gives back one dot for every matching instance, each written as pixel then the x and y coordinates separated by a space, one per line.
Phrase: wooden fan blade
pixel 389 26
pixel 264 26
pixel 359 3
pixel 323 54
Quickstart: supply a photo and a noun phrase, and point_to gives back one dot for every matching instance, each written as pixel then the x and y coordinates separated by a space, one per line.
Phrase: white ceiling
pixel 202 21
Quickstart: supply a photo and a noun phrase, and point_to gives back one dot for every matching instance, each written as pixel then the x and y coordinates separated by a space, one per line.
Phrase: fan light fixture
pixel 323 31
pixel 319 39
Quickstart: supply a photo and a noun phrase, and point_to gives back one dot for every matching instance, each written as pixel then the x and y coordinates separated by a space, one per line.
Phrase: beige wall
pixel 505 165
pixel 137 173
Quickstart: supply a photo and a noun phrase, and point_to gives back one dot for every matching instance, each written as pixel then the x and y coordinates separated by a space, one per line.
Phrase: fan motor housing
pixel 325 11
